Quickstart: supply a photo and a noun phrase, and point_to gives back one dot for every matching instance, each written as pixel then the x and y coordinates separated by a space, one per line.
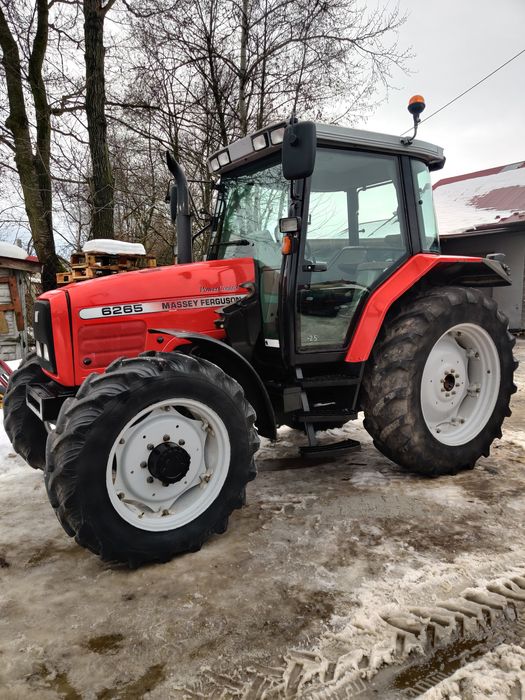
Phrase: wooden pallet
pixel 86 266
pixel 112 261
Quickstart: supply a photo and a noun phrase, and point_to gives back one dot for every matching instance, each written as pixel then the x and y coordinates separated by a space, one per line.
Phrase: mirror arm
pixel 201 231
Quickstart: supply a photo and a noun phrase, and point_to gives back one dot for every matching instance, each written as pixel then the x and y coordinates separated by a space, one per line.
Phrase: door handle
pixel 315 267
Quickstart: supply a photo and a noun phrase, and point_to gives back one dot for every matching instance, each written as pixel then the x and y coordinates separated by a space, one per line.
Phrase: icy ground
pixel 328 578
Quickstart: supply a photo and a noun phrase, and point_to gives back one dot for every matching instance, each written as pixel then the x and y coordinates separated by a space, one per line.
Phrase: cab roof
pixel 268 140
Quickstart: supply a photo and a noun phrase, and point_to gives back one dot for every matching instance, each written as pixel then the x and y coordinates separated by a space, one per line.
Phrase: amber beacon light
pixel 416 105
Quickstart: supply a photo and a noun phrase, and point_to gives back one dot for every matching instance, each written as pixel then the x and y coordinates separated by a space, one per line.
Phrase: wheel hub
pixel 169 463
pixel 449 382
pixel 460 384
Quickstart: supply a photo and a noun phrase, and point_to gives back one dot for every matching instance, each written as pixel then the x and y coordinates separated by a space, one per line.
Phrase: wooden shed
pixel 19 274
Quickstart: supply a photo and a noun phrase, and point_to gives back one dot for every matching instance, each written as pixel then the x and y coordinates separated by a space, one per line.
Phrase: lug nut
pixel 149 446
pixel 165 512
pixel 121 441
pixel 121 495
pixel 166 438
pixel 182 442
pixel 143 465
pixel 149 479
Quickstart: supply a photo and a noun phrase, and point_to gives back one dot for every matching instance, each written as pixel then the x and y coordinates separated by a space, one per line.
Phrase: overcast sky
pixel 457 42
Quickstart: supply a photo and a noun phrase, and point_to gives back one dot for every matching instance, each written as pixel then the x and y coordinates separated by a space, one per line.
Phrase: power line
pixel 469 89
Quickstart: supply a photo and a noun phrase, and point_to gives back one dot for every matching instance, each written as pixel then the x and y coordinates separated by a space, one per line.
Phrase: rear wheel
pixel 438 385
pixel 26 431
pixel 150 458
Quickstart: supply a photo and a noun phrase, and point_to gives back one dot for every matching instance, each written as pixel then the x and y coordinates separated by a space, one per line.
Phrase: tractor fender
pixel 432 269
pixel 235 365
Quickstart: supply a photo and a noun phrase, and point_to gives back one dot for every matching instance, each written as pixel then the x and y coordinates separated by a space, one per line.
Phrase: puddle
pixel 105 643
pixel 412 679
pixel 136 689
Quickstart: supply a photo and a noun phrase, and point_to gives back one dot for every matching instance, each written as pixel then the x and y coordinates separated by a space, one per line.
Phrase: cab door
pixel 355 236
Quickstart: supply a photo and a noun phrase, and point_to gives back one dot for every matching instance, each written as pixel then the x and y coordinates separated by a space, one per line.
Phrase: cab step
pixel 334 449
pixel 327 415
pixel 329 380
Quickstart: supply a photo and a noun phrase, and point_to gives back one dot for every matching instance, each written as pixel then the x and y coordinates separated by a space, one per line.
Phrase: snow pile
pixel 8 250
pixel 113 247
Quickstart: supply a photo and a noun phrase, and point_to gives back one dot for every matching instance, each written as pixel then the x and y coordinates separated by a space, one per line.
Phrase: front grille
pixel 43 329
pixel 102 343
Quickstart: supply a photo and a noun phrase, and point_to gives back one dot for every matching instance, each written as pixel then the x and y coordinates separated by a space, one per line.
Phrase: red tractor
pixel 323 294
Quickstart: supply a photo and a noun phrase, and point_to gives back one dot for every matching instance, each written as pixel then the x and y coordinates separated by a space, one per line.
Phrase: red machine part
pixel 121 311
pixel 112 317
pixel 384 296
pixel 5 373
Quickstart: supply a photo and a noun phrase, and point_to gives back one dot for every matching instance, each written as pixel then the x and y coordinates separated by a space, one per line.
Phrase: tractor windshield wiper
pixel 236 241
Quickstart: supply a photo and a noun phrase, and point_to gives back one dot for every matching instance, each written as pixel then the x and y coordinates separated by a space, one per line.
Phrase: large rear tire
pixel 151 457
pixel 26 431
pixel 437 387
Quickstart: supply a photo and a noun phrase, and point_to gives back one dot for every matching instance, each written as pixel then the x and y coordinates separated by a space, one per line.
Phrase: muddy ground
pixel 347 579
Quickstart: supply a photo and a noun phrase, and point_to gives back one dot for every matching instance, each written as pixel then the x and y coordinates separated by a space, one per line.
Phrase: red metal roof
pixel 482 199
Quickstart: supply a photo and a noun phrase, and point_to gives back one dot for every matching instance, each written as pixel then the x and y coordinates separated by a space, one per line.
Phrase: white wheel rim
pixel 460 384
pixel 143 500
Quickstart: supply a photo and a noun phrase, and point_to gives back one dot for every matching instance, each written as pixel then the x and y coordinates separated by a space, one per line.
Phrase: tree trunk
pixel 33 168
pixel 243 107
pixel 102 182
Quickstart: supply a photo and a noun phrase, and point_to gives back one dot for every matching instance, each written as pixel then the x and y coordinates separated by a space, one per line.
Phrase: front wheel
pixel 438 385
pixel 26 431
pixel 150 458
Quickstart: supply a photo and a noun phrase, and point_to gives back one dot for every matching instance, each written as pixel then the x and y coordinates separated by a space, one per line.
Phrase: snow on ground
pixel 303 595
pixel 500 674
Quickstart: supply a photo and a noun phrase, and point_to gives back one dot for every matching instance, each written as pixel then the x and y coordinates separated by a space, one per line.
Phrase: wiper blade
pixel 237 241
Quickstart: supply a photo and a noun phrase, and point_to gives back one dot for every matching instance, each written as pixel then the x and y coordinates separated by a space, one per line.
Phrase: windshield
pixel 249 207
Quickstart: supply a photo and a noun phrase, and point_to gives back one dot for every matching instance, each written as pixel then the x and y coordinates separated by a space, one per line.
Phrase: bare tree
pixel 86 129
pixel 102 182
pixel 204 72
pixel 31 156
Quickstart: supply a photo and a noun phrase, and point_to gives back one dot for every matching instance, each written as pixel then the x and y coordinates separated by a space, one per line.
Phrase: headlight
pixel 223 158
pixel 277 136
pixel 259 142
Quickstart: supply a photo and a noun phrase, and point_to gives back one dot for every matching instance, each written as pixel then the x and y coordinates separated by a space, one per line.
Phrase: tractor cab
pixel 327 213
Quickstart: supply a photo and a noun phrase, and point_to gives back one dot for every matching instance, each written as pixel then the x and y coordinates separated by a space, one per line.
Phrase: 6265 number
pixel 122 310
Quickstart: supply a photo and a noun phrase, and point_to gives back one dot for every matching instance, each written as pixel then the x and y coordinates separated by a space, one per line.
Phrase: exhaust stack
pixel 180 210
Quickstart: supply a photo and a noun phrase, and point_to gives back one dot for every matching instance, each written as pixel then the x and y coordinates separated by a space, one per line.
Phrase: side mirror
pixel 173 202
pixel 298 150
